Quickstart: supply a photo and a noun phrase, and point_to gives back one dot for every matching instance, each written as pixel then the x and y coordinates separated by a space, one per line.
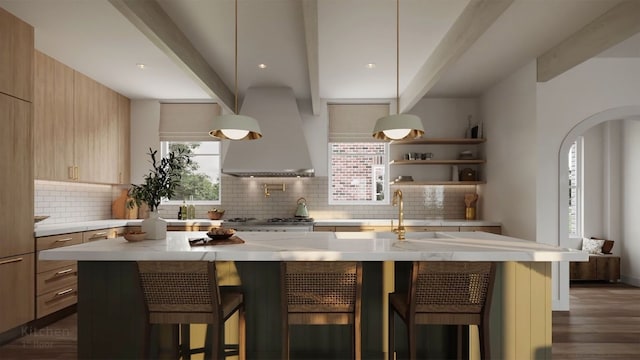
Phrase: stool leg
pixel 185 341
pixel 485 341
pixel 391 332
pixel 242 337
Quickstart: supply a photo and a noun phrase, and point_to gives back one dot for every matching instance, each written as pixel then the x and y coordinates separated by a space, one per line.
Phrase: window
pixel 358 173
pixel 202 180
pixel 575 189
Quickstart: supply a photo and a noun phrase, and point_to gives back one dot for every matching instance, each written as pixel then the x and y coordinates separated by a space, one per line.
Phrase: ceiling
pixel 94 38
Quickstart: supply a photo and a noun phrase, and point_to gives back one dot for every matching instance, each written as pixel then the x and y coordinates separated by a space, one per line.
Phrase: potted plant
pixel 159 183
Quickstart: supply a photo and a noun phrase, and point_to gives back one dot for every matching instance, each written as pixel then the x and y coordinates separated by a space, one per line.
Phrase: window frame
pixel 385 180
pixel 164 150
pixel 577 187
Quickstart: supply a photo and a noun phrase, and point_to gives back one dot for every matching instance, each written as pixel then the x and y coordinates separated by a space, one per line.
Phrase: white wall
pixel 630 247
pixel 145 127
pixel 593 182
pixel 563 103
pixel 509 113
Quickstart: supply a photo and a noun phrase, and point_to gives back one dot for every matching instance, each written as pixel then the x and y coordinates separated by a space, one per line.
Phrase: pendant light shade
pixel 234 126
pixel 398 126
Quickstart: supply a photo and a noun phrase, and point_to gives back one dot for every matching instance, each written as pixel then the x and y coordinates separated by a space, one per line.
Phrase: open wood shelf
pixel 436 162
pixel 438 141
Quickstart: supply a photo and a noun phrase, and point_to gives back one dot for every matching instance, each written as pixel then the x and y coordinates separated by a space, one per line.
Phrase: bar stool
pixel 187 292
pixel 321 293
pixel 447 293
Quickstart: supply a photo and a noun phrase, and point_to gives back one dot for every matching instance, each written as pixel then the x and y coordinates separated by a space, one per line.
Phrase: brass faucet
pixel 397 200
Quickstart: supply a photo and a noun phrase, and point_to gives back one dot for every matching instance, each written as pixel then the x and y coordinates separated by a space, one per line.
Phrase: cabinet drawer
pixel 431 228
pixel 17 289
pixel 95 235
pixel 117 232
pixel 48 265
pixel 55 241
pixel 56 300
pixel 324 228
pixel 489 229
pixel 56 279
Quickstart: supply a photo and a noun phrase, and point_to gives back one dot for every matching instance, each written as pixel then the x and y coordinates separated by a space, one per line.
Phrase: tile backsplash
pixel 68 202
pixel 244 197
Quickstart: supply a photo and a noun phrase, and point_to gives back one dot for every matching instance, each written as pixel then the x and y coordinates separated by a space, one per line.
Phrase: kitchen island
pixel 110 306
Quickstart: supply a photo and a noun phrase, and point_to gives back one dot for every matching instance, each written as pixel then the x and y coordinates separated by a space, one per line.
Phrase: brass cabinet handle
pixel 63 272
pixel 102 233
pixel 71 172
pixel 64 292
pixel 64 240
pixel 76 173
pixel 11 261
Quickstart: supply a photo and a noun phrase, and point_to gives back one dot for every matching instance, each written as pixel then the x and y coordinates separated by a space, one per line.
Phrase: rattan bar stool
pixel 187 292
pixel 321 293
pixel 447 293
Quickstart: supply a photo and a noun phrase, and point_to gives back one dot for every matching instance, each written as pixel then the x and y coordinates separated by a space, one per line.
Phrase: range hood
pixel 282 151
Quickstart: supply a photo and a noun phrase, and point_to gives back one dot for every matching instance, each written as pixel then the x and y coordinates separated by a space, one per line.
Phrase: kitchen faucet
pixel 397 200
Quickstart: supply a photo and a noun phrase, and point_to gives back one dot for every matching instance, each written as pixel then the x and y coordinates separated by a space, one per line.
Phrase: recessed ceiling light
pixel 371 65
pixel 140 66
pixel 262 66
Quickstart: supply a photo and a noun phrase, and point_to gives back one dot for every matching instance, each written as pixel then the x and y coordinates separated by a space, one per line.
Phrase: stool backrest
pixel 179 286
pixel 322 286
pixel 451 287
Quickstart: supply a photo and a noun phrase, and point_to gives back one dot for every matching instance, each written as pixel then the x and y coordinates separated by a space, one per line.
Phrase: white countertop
pixel 65 228
pixel 322 246
pixel 56 229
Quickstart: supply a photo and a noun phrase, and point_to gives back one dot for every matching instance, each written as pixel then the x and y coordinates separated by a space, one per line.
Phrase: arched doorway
pixel 620 113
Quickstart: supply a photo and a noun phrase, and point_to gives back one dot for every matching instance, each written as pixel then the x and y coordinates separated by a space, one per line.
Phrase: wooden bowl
pixel 138 236
pixel 215 215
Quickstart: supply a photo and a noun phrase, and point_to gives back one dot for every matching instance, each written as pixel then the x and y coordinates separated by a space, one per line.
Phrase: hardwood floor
pixel 57 341
pixel 604 323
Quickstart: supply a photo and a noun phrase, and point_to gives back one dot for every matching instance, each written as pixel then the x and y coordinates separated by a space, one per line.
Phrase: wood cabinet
pixel 16 57
pixel 124 136
pixel 56 280
pixel 53 119
pixel 16 177
pixel 82 126
pixel 445 154
pixel 489 229
pixel 16 287
pixel 599 267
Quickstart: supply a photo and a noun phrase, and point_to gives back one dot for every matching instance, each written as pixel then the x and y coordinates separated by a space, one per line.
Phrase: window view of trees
pixel 200 180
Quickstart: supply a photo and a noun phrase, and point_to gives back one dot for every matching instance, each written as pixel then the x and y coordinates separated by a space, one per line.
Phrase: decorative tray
pixel 227 240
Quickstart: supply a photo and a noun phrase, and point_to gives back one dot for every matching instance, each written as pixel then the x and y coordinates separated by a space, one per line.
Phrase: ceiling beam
pixel 310 15
pixel 156 25
pixel 474 20
pixel 617 24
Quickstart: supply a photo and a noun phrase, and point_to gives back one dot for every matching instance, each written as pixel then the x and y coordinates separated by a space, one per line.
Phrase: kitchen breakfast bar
pixel 111 310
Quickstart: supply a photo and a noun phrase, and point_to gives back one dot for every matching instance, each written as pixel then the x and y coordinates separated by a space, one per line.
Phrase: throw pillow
pixel 592 246
pixel 608 245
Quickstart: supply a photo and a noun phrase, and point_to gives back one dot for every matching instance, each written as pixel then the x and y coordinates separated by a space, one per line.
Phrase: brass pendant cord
pixel 397 56
pixel 236 61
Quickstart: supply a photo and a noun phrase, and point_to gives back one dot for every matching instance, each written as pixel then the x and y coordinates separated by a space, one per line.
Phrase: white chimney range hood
pixel 282 151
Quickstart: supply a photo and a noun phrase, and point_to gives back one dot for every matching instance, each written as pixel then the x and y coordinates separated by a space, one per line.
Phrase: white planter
pixel 154 226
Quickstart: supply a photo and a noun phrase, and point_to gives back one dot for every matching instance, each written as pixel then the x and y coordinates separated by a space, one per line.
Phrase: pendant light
pixel 235 126
pixel 398 126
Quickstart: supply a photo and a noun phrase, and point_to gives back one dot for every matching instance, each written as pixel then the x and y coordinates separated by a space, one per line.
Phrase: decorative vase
pixel 154 226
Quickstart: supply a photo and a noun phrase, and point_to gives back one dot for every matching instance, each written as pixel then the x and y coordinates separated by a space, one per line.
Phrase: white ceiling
pixel 92 37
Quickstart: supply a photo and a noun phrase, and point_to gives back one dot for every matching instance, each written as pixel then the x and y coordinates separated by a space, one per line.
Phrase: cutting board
pixel 118 206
